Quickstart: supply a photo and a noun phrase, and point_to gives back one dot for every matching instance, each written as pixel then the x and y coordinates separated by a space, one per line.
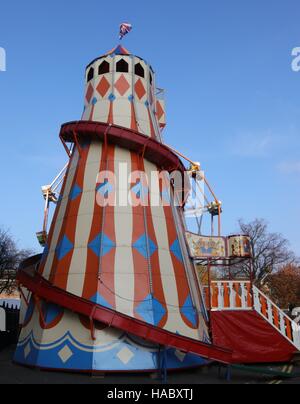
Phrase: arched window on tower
pixel 139 70
pixel 122 66
pixel 90 75
pixel 103 68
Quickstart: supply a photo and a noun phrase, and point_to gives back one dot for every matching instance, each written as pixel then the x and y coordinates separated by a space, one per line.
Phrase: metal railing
pixel 276 317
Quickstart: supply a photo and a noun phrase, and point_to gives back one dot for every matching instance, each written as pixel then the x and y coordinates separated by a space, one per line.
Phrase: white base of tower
pixel 66 344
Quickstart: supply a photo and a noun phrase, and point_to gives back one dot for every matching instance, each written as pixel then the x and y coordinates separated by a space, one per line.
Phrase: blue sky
pixel 232 97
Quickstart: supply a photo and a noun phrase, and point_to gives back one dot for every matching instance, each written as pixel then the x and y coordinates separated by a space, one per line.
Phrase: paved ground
pixel 13 374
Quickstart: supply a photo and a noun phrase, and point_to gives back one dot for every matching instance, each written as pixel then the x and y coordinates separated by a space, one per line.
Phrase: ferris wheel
pixel 201 200
pixel 51 195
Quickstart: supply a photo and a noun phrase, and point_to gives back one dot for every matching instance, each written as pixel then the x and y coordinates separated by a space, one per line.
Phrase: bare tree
pixel 10 258
pixel 271 251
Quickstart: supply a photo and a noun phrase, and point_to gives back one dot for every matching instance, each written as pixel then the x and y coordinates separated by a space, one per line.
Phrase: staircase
pixel 241 295
pixel 276 317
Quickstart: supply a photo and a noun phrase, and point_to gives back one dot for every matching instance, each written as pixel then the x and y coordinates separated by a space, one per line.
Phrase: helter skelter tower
pixel 116 288
pixel 131 258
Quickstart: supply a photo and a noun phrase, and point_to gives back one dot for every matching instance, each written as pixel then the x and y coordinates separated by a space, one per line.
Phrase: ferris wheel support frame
pixel 195 167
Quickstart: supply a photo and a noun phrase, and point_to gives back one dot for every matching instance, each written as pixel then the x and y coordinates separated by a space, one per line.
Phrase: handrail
pixel 288 328
pixel 255 289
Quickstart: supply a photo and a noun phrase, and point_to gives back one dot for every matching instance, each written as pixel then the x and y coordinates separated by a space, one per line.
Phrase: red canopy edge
pixel 152 150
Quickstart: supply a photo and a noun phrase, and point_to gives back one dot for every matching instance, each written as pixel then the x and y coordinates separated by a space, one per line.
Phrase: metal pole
pixel 209 283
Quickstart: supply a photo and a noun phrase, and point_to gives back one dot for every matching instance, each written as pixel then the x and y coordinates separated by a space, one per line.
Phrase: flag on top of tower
pixel 125 28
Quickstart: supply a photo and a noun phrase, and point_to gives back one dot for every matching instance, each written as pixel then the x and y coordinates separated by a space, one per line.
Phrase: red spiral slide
pixel 29 278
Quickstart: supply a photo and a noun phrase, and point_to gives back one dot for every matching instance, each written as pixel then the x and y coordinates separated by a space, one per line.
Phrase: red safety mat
pixel 251 338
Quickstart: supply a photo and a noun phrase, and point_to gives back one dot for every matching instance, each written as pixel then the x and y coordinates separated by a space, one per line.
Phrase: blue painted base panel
pixel 67 354
pixel 65 343
pixel 125 357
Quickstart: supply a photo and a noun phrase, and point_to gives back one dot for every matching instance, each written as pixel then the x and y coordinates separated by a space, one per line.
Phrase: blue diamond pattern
pixel 98 299
pixel 151 310
pixel 64 247
pixel 30 310
pixel 51 312
pixel 131 98
pixel 139 190
pixel 176 250
pixel 145 310
pixel 112 97
pixel 107 245
pixel 76 191
pixel 159 311
pixel 166 195
pixel 188 311
pixel 105 188
pixel 141 246
pixel 94 101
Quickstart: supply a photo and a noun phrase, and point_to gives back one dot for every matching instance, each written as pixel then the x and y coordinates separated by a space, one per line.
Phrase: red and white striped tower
pixel 106 245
